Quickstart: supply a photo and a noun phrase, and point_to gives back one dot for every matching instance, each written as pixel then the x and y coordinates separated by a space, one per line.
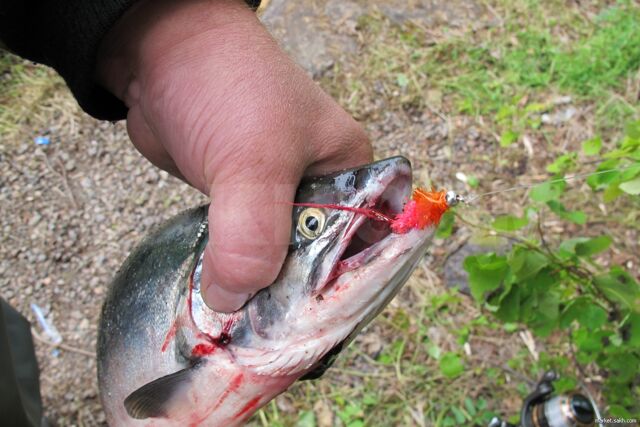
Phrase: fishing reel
pixel 541 408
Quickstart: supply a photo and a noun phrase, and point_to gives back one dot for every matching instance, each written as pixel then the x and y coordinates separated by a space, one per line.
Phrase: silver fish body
pixel 165 359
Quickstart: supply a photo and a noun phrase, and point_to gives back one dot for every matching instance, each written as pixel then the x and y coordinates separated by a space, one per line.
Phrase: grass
pixel 24 88
pixel 537 50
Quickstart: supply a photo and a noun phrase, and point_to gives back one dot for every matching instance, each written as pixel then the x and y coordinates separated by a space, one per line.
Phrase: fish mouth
pixel 365 238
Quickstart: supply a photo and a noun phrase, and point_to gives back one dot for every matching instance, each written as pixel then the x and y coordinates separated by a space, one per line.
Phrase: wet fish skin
pixel 165 359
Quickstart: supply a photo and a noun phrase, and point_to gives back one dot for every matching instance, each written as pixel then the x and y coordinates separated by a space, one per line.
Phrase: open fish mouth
pixel 366 237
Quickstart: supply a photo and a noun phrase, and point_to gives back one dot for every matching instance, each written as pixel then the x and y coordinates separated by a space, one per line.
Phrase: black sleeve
pixel 66 34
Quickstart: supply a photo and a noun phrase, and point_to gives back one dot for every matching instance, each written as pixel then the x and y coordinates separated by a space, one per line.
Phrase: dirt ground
pixel 72 210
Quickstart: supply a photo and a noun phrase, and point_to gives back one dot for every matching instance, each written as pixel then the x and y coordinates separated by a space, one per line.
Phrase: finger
pixel 249 228
pixel 344 144
pixel 147 144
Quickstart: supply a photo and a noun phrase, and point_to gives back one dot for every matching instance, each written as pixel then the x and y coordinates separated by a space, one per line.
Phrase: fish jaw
pixel 340 310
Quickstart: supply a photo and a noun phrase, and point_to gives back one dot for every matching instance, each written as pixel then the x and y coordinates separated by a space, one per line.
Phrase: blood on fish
pixel 250 406
pixel 169 337
pixel 203 349
pixel 425 209
pixel 223 339
pixel 233 387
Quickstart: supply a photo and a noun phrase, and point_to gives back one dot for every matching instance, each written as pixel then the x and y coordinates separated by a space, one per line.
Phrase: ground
pixel 464 89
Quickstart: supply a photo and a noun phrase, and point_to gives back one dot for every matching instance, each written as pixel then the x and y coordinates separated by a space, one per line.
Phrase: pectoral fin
pixel 155 399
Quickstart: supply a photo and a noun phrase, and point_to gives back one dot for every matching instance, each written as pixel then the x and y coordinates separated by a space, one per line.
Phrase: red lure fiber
pixel 425 209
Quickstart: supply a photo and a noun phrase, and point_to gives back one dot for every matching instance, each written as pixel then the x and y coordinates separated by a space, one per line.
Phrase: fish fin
pixel 323 364
pixel 154 399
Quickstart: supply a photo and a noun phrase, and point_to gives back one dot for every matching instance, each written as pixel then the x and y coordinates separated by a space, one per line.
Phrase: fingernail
pixel 224 301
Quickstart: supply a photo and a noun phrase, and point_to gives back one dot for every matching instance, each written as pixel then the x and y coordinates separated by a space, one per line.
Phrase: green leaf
pixel 577 217
pixel 634 329
pixel 433 350
pixel 451 365
pixel 306 419
pixel 605 175
pixel 526 263
pixel 592 317
pixel 588 341
pixel 509 310
pixel 631 187
pixel 620 287
pixel 630 173
pixel 564 384
pixel 402 80
pixel 486 273
pixel 611 193
pixel 563 163
pixel 468 404
pixel 592 146
pixel 459 415
pixel 473 181
pixel 584 247
pixel 509 223
pixel 572 311
pixel 445 227
pixel 547 191
pixel 507 138
pixel 548 305
pixel 633 129
pixel 593 246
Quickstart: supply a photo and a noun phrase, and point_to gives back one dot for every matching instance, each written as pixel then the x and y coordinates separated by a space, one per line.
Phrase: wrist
pixel 154 34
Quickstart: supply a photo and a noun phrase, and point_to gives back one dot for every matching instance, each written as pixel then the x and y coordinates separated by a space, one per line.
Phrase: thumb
pixel 249 231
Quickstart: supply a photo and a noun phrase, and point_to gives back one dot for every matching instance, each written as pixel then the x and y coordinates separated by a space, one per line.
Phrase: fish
pixel 165 359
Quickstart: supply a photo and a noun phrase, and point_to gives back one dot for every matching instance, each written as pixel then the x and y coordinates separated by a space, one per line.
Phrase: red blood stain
pixel 233 386
pixel 223 339
pixel 250 406
pixel 203 349
pixel 169 337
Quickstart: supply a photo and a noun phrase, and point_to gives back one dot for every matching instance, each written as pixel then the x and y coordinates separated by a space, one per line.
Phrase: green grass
pixel 504 77
pixel 540 49
pixel 23 88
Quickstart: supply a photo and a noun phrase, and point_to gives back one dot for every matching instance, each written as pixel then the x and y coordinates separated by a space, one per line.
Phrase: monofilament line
pixel 553 181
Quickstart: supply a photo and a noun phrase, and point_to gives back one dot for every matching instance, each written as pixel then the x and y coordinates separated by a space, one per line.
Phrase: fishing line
pixel 426 208
pixel 468 200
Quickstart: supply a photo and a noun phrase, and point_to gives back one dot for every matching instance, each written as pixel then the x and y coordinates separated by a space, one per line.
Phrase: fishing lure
pixel 424 209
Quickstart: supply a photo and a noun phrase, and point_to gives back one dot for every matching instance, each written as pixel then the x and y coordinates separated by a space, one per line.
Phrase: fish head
pixel 342 269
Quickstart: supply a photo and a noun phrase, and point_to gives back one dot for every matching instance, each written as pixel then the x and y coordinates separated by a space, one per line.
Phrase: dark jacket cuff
pixel 66 35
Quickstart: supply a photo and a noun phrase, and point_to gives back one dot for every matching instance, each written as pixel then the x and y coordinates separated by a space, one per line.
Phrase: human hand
pixel 213 100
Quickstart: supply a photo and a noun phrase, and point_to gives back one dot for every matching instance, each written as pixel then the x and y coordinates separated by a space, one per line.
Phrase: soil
pixel 72 210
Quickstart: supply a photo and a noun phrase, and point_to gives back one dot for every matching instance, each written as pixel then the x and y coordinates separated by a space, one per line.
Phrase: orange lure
pixel 425 209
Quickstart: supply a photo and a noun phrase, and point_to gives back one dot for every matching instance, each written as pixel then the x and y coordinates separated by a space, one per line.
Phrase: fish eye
pixel 311 223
